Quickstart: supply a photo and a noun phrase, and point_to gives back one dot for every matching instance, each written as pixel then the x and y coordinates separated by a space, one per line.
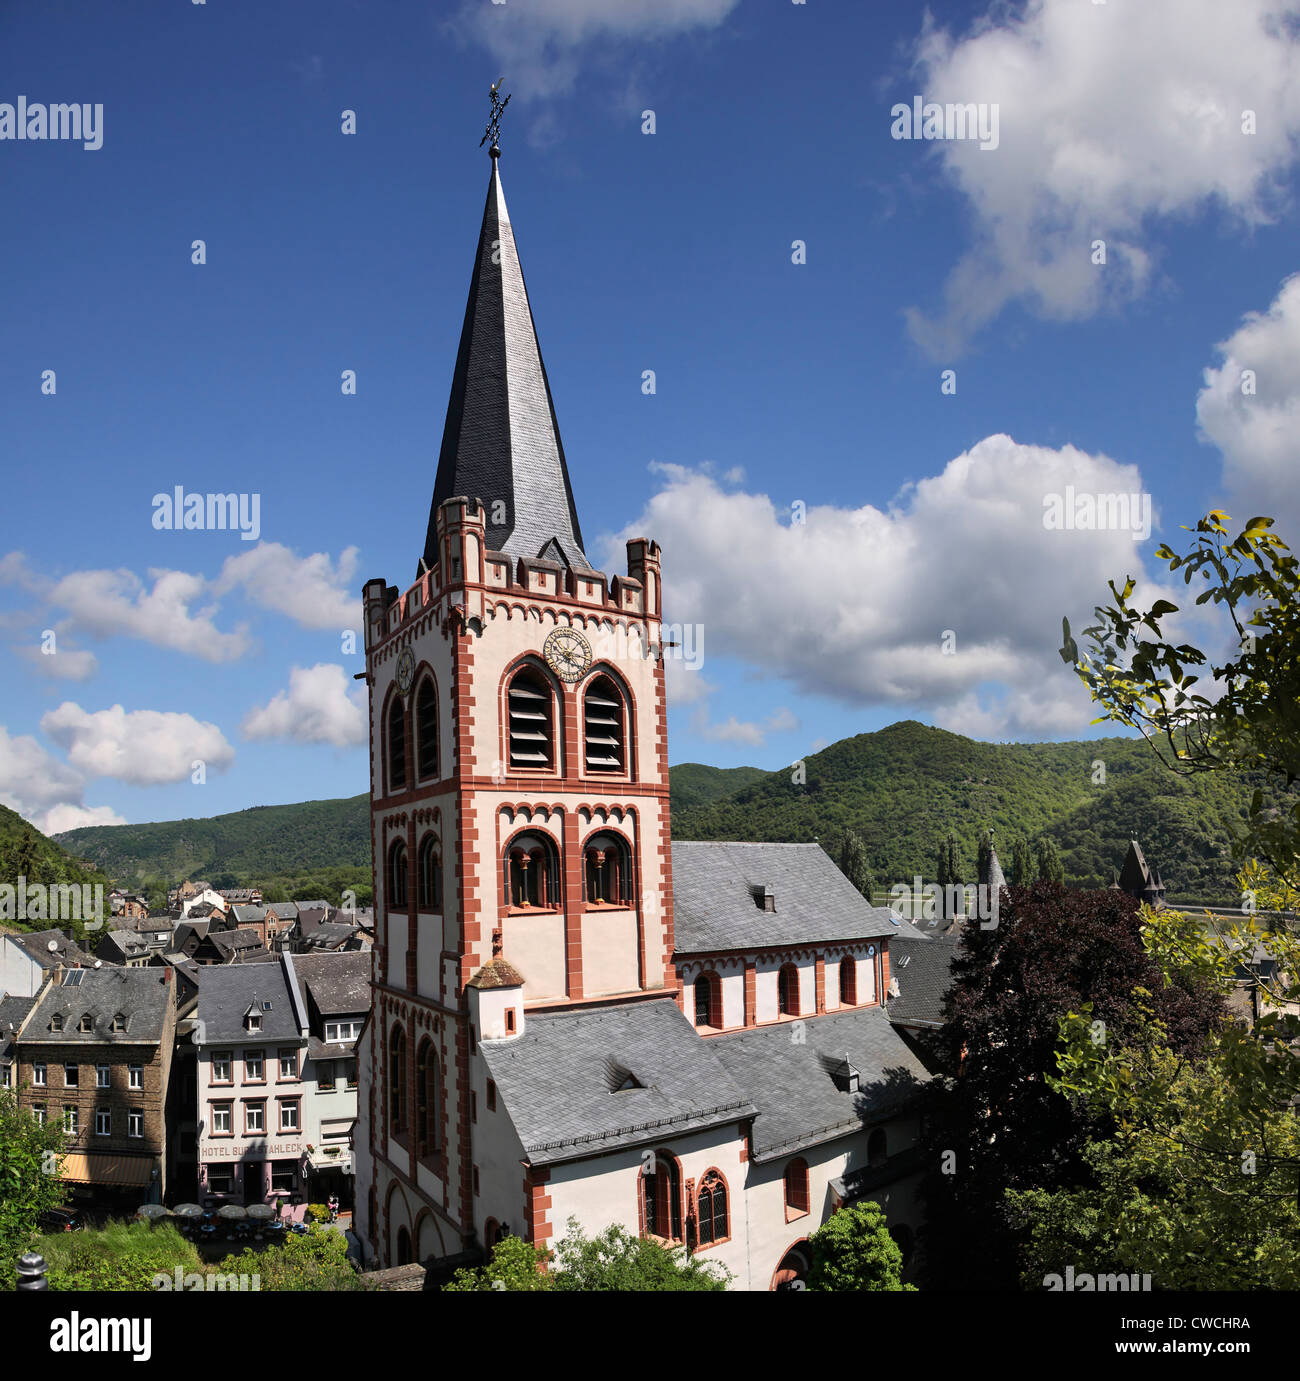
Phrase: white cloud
pixel 143 747
pixel 1259 432
pixel 854 603
pixel 748 731
pixel 312 590
pixel 1112 119
pixel 320 706
pixel 31 779
pixel 60 819
pixel 541 43
pixel 63 664
pixel 102 604
pixel 685 684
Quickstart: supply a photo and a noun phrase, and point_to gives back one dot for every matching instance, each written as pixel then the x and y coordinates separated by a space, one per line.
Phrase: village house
pixel 28 957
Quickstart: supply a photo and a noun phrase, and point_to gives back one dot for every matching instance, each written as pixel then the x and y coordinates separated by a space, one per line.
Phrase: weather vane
pixel 494 124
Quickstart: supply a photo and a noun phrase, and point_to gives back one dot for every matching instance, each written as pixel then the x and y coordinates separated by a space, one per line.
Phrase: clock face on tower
pixel 405 670
pixel 567 653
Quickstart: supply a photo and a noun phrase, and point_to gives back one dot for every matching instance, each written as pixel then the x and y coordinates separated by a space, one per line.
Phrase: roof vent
pixel 764 897
pixel 846 1076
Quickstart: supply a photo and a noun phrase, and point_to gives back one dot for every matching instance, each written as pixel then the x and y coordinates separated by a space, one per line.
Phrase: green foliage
pixel 853 1250
pixel 612 1260
pixel 906 788
pixel 314 1260
pixel 617 1260
pixel 322 845
pixel 1022 864
pixel 1048 859
pixel 694 784
pixel 26 1190
pixel 1197 1186
pixel 853 863
pixel 118 1256
pixel 318 1213
pixel 514 1265
pixel 1250 721
pixel 25 852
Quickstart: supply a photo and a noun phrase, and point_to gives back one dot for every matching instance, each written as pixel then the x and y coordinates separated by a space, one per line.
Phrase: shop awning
pixel 80 1168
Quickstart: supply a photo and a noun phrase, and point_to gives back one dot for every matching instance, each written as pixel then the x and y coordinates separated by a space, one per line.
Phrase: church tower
pixel 519 784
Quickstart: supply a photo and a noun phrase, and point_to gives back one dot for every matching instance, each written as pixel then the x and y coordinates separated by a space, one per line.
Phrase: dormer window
pixel 87 1023
pixel 119 1023
pixel 253 1021
pixel 56 1022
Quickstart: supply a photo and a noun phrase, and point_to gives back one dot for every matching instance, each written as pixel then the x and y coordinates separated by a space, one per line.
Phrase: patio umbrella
pixel 263 1212
pixel 152 1211
pixel 232 1211
pixel 188 1211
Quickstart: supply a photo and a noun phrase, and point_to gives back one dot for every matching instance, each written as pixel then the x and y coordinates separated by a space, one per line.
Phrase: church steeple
pixel 501 442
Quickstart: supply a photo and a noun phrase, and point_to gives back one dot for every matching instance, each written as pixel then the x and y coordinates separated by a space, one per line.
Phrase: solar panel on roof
pixel 73 977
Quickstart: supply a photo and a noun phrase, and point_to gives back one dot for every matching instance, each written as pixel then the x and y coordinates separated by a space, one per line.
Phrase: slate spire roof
pixel 501 442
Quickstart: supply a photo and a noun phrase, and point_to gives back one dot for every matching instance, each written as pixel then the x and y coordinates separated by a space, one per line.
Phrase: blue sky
pixel 827 513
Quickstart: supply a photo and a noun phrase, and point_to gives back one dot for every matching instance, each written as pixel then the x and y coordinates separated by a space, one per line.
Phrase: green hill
pixel 25 852
pixel 902 788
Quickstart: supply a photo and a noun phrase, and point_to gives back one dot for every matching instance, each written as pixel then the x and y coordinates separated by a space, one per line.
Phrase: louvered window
pixel 603 727
pixel 397 747
pixel 426 731
pixel 532 738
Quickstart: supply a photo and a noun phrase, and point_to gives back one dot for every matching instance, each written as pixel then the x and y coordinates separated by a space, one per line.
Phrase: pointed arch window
pixel 397 1079
pixel 532 871
pixel 711 1210
pixel 429 873
pixel 426 731
pixel 397 880
pixel 397 746
pixel 607 871
pixel 848 981
pixel 530 708
pixel 428 1113
pixel 708 1000
pixel 788 991
pixel 604 726
pixel 661 1197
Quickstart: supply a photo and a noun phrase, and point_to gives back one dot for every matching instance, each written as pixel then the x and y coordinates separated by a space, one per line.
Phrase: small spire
pixel 493 130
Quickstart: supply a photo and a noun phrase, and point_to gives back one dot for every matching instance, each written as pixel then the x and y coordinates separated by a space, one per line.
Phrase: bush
pixel 118 1256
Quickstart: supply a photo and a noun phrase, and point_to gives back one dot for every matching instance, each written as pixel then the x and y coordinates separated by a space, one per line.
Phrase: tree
pixel 514 1265
pixel 29 1180
pixel 314 1260
pixel 617 1260
pixel 950 872
pixel 853 1250
pixel 614 1259
pixel 984 856
pixel 1022 863
pixel 1050 867
pixel 853 863
pixel 1142 680
pixel 1000 1124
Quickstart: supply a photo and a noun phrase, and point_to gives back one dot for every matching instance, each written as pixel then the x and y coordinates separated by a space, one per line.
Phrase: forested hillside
pixel 902 789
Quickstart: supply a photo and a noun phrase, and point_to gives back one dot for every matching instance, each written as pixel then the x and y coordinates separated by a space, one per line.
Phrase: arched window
pixel 607 871
pixel 711 1209
pixel 429 873
pixel 661 1197
pixel 797 1196
pixel 404 1257
pixel 397 1079
pixel 708 1000
pixel 604 726
pixel 426 731
pixel 876 1147
pixel 397 891
pixel 848 981
pixel 532 871
pixel 397 746
pixel 788 991
pixel 530 707
pixel 428 1114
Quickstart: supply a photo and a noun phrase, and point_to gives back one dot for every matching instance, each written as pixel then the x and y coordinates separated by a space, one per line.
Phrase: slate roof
pixel 141 995
pixel 249 914
pixel 500 440
pixel 714 906
pixel 12 1011
pixel 35 944
pixel 558 1080
pixel 315 904
pixel 227 992
pixel 799 1104
pixel 921 970
pixel 330 936
pixel 339 984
